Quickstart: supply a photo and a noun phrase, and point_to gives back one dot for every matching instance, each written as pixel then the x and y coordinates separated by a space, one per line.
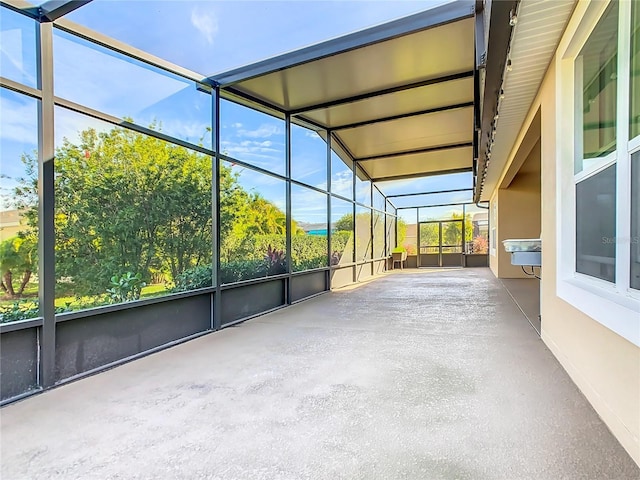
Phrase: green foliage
pixel 126 202
pixel 126 287
pixel 341 241
pixel 194 278
pixel 18 259
pixel 271 262
pixel 402 230
pixel 239 270
pixel 308 251
pixel 344 223
pixel 250 246
pixel 28 309
pixel 276 261
pixel 430 234
pixel 451 232
pixel 20 310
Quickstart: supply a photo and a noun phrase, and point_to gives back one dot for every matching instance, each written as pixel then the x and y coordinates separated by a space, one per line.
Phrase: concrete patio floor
pixel 417 375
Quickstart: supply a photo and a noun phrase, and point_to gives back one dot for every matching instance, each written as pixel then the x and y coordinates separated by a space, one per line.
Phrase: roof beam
pixel 258 103
pixel 430 193
pixel 385 91
pixel 413 152
pixel 419 175
pixel 425 20
pixel 54 9
pixel 438 205
pixel 404 115
pixel 129 51
pixel 21 6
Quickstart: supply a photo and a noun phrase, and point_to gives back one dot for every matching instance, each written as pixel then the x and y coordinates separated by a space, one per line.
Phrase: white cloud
pixel 19 121
pixel 258 146
pixel 342 183
pixel 312 134
pixel 265 130
pixel 234 150
pixel 191 131
pixel 205 23
pixel 309 206
pixel 236 125
pixel 259 149
pixel 11 48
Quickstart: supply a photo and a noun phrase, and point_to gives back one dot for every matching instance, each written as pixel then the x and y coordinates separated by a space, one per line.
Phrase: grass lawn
pixel 31 293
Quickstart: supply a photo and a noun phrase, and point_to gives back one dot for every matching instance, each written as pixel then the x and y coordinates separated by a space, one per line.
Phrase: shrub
pixel 239 270
pixel 28 309
pixel 308 251
pixel 276 261
pixel 411 248
pixel 20 310
pixel 480 245
pixel 339 242
pixel 194 278
pixel 126 287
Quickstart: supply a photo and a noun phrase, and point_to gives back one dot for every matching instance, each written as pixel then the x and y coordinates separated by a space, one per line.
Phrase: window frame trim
pixel 633 147
pixel 610 304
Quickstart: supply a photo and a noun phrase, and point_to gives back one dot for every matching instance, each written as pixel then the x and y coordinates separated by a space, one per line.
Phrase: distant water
pixel 318 232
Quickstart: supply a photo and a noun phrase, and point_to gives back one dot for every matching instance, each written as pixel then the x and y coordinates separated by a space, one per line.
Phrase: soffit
pixel 535 39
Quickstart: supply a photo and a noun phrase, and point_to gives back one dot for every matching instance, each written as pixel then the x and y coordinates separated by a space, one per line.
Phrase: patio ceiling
pixel 398 97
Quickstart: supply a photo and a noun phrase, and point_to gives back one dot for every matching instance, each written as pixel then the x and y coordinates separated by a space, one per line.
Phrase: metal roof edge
pixel 498 44
pixel 448 13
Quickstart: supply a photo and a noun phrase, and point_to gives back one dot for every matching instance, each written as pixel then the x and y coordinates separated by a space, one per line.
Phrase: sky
pixel 213 36
pixel 204 36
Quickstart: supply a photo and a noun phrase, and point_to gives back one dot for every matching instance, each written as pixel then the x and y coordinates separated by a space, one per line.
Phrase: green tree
pixel 452 234
pixel 402 230
pixel 18 259
pixel 125 202
pixel 429 234
pixel 344 223
pixel 130 205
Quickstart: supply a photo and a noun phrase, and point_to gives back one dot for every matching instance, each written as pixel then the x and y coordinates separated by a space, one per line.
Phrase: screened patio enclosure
pixel 156 204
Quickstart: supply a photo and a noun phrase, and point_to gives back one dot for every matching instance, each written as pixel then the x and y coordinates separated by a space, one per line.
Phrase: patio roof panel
pixel 398 103
pixel 392 63
pixel 411 133
pixel 402 90
pixel 428 163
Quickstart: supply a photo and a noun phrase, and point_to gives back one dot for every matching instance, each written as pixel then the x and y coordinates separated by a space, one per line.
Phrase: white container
pixel 523 245
pixel 532 259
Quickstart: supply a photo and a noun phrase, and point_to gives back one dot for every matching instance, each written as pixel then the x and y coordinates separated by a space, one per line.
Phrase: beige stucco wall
pixel 519 213
pixel 604 365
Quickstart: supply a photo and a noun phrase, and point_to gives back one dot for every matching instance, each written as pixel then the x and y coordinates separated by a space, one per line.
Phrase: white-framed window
pixel 599 166
pixel 634 145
